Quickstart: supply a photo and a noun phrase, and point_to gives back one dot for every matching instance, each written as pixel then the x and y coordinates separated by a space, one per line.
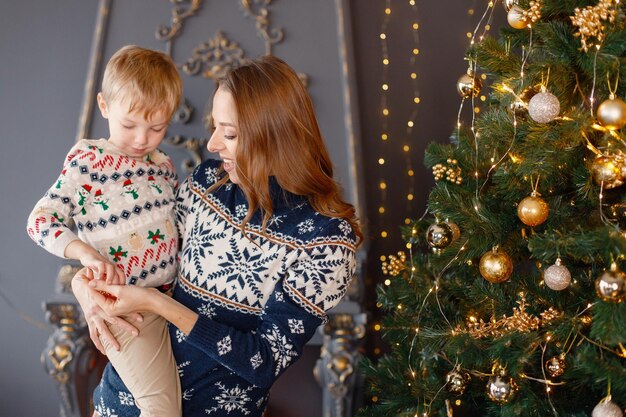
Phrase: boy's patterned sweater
pixel 121 206
pixel 260 298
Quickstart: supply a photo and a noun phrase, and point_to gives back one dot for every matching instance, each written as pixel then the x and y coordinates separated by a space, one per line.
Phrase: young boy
pixel 120 194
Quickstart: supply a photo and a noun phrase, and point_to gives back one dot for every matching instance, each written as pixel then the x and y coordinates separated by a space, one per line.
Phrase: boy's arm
pixel 92 259
pixel 48 223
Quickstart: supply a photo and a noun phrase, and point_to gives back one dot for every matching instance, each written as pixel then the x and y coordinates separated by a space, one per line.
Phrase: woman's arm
pixel 129 299
pixel 95 316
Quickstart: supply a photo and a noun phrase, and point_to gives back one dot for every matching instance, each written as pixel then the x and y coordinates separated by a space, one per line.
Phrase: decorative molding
pixel 258 10
pixel 95 57
pixel 213 58
pixel 336 369
pixel 193 146
pixel 69 356
pixel 179 14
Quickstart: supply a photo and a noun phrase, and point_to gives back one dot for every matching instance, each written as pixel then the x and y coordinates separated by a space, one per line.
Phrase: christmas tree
pixel 510 297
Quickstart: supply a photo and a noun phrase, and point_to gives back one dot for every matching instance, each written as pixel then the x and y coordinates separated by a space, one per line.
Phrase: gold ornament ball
pixel 456 232
pixel 457 381
pixel 544 107
pixel 501 389
pixel 495 266
pixel 606 172
pixel 555 366
pixel 439 235
pixel 509 3
pixel 612 113
pixel 468 86
pixel 516 18
pixel 611 286
pixel 557 277
pixel 607 408
pixel 533 210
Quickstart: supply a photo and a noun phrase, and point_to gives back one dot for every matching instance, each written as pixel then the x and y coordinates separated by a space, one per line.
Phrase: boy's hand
pixel 103 269
pixel 89 257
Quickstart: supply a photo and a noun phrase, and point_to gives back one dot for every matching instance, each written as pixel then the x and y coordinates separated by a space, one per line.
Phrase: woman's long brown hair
pixel 279 136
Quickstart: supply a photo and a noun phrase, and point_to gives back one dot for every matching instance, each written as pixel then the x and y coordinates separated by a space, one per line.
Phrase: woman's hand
pixel 123 300
pixel 95 316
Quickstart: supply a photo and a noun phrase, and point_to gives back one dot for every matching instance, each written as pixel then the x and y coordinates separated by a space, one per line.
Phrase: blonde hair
pixel 279 136
pixel 148 79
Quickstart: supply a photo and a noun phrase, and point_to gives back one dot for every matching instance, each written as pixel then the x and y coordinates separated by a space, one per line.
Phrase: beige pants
pixel 146 365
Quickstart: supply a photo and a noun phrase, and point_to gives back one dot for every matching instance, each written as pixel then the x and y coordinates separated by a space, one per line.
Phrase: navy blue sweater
pixel 260 297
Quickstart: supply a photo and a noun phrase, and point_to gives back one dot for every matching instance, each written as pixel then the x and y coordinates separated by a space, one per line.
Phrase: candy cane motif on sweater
pixel 38 221
pixel 149 254
pixel 124 159
pixel 106 161
pixel 134 261
pixel 160 249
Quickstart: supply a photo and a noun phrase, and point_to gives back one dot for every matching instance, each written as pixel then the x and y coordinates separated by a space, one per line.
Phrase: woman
pixel 268 246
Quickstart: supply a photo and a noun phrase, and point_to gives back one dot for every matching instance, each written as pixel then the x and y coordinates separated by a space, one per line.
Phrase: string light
pixel 386 110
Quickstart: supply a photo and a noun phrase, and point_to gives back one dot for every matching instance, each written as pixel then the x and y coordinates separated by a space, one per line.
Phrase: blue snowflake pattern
pixel 241 210
pixel 245 268
pixel 306 226
pixel 198 245
pixel 231 399
pixel 345 227
pixel 126 398
pixel 211 175
pixel 326 278
pixel 282 348
pixel 207 310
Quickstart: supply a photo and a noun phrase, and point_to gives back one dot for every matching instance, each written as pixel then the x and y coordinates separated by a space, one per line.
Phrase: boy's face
pixel 133 135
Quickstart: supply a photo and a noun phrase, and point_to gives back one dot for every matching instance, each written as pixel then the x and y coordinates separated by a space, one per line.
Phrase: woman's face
pixel 225 132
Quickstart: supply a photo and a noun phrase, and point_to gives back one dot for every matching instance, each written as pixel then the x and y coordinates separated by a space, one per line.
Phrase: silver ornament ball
pixel 607 409
pixel 501 389
pixel 544 107
pixel 557 277
pixel 611 286
pixel 457 381
pixel 439 235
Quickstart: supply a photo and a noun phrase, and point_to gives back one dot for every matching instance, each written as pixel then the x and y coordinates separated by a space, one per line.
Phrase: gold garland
pixel 395 265
pixel 520 321
pixel 590 22
pixel 534 11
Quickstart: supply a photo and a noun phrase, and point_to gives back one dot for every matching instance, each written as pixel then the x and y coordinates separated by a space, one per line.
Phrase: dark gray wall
pixel 43 50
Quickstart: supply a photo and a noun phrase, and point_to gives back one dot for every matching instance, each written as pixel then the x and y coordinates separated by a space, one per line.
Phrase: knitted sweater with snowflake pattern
pixel 123 207
pixel 259 297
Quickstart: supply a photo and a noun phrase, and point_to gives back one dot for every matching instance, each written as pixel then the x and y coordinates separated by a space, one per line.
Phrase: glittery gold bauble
pixel 457 381
pixel 509 3
pixel 544 107
pixel 612 113
pixel 495 266
pixel 611 285
pixel 533 210
pixel 439 235
pixel 606 171
pixel 607 408
pixel 468 86
pixel 555 366
pixel 501 389
pixel 557 277
pixel 516 18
